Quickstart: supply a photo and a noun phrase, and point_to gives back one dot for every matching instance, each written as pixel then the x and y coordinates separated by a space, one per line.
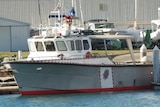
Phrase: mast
pixel 72 3
pixel 81 11
pixel 135 22
pixel 39 9
pixel 135 10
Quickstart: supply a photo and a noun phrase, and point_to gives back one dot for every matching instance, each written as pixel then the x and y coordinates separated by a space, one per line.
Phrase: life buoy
pixel 88 55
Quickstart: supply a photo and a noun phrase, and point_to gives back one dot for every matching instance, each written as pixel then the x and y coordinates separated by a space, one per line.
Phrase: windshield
pixel 61 46
pixel 39 46
pixel 104 25
pixel 49 46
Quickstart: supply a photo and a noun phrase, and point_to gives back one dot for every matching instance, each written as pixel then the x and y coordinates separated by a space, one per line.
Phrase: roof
pixel 110 36
pixel 9 22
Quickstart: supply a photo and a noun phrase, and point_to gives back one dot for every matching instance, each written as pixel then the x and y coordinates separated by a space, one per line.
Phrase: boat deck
pixel 127 57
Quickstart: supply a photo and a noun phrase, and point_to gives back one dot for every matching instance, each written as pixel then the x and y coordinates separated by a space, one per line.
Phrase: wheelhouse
pixel 50 47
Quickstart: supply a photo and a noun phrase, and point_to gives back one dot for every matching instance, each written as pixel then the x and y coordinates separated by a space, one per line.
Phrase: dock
pixel 8 83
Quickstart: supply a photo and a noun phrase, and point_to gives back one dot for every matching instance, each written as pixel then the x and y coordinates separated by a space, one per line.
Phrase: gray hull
pixel 47 78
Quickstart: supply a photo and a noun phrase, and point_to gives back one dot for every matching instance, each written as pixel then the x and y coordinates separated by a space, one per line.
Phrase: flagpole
pixel 135 15
pixel 135 10
pixel 81 11
pixel 72 3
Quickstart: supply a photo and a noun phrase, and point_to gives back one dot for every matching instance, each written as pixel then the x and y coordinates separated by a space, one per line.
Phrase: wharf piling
pixel 156 70
pixel 143 51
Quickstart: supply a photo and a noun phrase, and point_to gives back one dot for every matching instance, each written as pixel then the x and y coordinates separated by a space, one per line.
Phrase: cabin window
pixel 49 46
pixel 39 46
pixel 78 44
pixel 31 46
pixel 99 26
pixel 61 46
pixel 85 44
pixel 70 45
pixel 104 25
pixel 110 25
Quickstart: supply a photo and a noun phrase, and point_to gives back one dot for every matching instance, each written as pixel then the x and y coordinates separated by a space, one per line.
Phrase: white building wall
pixel 115 10
pixel 19 36
pixel 13 35
pixel 5 39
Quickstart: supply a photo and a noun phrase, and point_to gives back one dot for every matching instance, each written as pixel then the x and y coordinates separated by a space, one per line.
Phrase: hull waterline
pixel 49 92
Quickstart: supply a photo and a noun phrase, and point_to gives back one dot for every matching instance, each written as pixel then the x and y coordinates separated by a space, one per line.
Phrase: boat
pixel 70 67
pixel 100 25
pixel 65 64
pixel 155 35
pixel 60 21
pixel 155 27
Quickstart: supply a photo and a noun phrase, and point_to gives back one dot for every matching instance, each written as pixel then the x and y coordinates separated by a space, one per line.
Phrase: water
pixel 109 99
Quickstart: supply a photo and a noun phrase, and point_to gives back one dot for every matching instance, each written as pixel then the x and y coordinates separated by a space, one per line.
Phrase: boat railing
pixel 61 56
pixel 88 61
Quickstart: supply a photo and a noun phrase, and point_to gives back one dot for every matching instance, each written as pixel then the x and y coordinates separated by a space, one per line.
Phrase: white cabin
pixel 58 47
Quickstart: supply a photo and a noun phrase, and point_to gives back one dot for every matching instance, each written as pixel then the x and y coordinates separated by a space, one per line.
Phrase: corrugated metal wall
pixel 119 11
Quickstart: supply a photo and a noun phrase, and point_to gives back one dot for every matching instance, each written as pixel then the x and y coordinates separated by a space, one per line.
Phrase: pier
pixel 156 70
pixel 8 84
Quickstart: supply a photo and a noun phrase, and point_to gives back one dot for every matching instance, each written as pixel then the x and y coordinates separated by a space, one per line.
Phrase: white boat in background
pixel 138 35
pixel 62 22
pixel 155 35
pixel 103 26
pixel 155 26
pixel 100 25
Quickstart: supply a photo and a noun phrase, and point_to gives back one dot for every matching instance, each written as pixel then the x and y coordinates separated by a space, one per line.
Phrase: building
pixel 118 11
pixel 13 35
pixel 121 12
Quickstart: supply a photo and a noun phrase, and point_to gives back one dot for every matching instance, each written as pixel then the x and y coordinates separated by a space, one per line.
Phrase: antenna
pixel 81 11
pixel 39 9
pixel 159 13
pixel 135 10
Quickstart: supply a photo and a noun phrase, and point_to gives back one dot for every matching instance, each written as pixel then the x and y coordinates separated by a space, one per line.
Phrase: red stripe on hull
pixel 43 92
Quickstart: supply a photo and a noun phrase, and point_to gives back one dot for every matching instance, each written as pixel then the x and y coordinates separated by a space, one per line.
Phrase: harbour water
pixel 147 98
